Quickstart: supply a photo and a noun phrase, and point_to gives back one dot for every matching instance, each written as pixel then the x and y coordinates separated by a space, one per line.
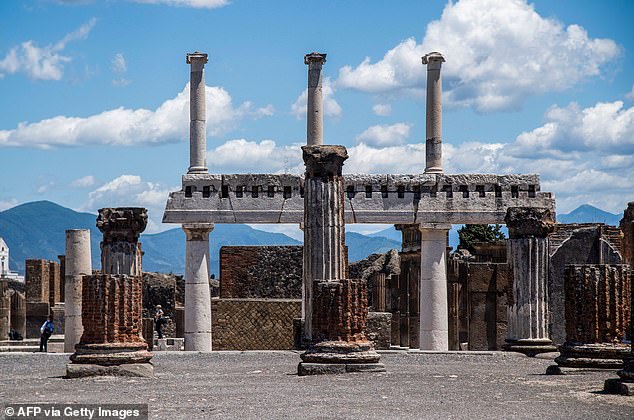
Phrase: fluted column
pixel 197 114
pixel 433 142
pixel 527 255
pixel 434 323
pixel 78 263
pixel 197 295
pixel 314 105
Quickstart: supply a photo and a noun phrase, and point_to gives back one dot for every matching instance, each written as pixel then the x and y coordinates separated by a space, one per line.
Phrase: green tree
pixel 470 234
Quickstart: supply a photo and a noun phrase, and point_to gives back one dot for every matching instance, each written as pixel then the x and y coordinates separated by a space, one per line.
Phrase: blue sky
pixel 93 110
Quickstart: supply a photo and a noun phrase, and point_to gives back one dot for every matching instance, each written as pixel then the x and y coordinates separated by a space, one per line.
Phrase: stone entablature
pixel 384 198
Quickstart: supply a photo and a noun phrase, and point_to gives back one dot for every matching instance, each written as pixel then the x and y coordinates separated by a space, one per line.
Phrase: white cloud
pixel 385 135
pixel 45 187
pixel 382 110
pixel 119 64
pixel 7 204
pixel 246 156
pixel 331 106
pixel 132 191
pixel 498 53
pixel 83 182
pixel 42 63
pixel 198 4
pixel 123 127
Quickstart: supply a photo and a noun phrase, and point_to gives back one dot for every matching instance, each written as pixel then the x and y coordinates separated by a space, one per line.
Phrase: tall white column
pixel 433 142
pixel 78 264
pixel 434 324
pixel 314 115
pixel 197 295
pixel 197 114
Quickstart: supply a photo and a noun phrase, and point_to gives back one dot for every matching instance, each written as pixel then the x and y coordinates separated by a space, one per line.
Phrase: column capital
pixel 322 161
pixel 433 59
pixel 314 57
pixel 122 223
pixel 196 57
pixel 524 222
pixel 197 231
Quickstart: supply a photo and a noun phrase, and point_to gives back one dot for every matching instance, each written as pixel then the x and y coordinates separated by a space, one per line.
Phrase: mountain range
pixel 37 230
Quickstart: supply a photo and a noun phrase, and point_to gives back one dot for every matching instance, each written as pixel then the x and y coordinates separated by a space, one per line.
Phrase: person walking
pixel 46 330
pixel 159 320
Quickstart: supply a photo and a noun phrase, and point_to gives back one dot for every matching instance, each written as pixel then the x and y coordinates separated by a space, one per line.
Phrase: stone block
pixel 135 370
pixel 378 329
pixel 58 318
pixel 619 387
pixel 37 280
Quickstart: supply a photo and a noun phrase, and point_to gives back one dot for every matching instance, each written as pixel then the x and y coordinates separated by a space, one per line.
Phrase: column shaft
pixel 197 295
pixel 197 114
pixel 314 105
pixel 78 264
pixel 433 143
pixel 434 325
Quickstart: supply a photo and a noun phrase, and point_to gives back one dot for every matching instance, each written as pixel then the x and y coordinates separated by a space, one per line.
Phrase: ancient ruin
pixel 77 263
pixel 112 342
pixel 430 201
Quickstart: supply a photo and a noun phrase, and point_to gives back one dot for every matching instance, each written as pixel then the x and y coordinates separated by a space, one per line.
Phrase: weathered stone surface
pixel 77 263
pixel 340 311
pixel 18 313
pixel 36 314
pixel 627 227
pixel 261 272
pixel 197 113
pixel 433 143
pixel 254 324
pixel 120 250
pixel 107 354
pixel 314 102
pixel 37 280
pixel 135 370
pixel 167 290
pixel 525 222
pixel 378 329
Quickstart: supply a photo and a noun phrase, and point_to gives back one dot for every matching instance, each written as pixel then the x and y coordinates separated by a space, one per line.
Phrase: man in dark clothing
pixel 159 320
pixel 45 333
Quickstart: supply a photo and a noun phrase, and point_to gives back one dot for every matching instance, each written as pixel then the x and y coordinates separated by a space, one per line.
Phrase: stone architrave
pixel 624 384
pixel 197 294
pixel 434 316
pixel 337 315
pixel 433 142
pixel 77 263
pixel 112 341
pixel 527 256
pixel 597 300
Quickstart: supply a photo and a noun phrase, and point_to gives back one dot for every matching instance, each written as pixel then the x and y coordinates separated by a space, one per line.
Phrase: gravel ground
pixel 264 385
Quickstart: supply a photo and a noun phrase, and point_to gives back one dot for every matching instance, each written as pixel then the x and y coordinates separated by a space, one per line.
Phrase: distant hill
pixel 590 214
pixel 37 230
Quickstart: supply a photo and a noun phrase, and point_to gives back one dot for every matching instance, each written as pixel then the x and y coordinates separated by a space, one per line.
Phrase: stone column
pixel 337 314
pixel 434 321
pixel 314 114
pixel 197 114
pixel 527 256
pixel 433 143
pixel 112 302
pixel 78 263
pixel 62 277
pixel 197 295
pixel 597 298
pixel 18 313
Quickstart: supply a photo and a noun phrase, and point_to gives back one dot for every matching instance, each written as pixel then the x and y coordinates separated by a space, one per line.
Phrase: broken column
pixel 527 256
pixel 597 300
pixel 624 384
pixel 337 315
pixel 112 341
pixel 78 263
pixel 433 142
pixel 197 114
pixel 197 294
pixel 314 106
pixel 434 323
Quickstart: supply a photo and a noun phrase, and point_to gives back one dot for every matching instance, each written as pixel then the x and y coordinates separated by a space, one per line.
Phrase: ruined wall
pixel 166 290
pixel 54 283
pixel 591 243
pixel 37 280
pixel 627 227
pixel 488 300
pixel 254 324
pixel 261 272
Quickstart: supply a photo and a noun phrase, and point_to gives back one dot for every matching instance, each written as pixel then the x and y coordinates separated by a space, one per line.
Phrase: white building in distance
pixel 5 272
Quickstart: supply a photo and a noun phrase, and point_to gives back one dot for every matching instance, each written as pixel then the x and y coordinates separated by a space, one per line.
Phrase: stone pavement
pixel 265 385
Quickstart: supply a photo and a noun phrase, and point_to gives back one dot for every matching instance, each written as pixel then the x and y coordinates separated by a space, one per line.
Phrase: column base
pixel 197 341
pixel 624 385
pixel 593 355
pixel 336 357
pixel 111 354
pixel 530 347
pixel 136 370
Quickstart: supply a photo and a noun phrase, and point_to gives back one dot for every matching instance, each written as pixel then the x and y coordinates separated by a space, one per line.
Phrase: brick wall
pixel 37 281
pixel 254 324
pixel 54 283
pixel 261 272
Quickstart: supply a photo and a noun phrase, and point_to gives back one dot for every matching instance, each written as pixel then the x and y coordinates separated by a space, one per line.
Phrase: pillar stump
pixel 527 255
pixel 112 342
pixel 337 312
pixel 624 384
pixel 597 317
